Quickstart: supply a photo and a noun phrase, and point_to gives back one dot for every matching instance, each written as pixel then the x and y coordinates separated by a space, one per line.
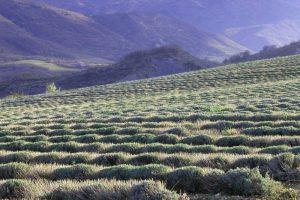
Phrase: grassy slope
pixel 240 115
pixel 41 64
pixel 31 75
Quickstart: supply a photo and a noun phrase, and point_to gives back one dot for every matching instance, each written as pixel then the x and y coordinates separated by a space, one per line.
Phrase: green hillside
pixel 233 130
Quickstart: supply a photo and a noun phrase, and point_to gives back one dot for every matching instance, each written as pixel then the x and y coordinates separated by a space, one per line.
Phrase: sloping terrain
pixel 154 30
pixel 248 16
pixel 38 29
pixel 14 40
pixel 202 13
pixel 229 130
pixel 30 69
pixel 32 76
pixel 61 33
pixel 138 65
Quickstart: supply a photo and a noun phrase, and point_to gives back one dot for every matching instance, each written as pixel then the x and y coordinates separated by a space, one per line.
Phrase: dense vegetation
pixel 160 61
pixel 267 52
pixel 232 130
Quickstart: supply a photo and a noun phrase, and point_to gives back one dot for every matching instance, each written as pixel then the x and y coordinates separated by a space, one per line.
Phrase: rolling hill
pixel 32 76
pixel 143 64
pixel 199 133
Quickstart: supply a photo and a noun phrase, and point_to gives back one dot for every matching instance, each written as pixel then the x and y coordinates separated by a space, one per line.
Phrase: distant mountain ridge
pixel 214 16
pixel 155 30
pixel 66 31
pixel 278 34
pixel 57 32
pixel 205 14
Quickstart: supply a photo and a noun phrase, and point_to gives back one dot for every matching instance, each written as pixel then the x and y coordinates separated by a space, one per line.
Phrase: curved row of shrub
pixel 135 148
pixel 201 139
pixel 79 124
pixel 119 127
pixel 132 127
pixel 283 167
pixel 211 117
pixel 241 181
pixel 221 125
pixel 115 126
pixel 64 131
pixel 266 130
pixel 220 161
pixel 73 190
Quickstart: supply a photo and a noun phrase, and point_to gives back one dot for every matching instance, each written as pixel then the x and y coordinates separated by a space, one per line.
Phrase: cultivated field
pixel 233 130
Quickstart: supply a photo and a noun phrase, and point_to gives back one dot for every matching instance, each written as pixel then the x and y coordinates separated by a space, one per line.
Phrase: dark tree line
pixel 266 52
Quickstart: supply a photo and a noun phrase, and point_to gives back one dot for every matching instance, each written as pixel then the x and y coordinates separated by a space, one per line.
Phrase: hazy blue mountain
pixel 15 40
pixel 215 15
pixel 29 28
pixel 256 36
pixel 251 16
pixel 57 32
pixel 154 30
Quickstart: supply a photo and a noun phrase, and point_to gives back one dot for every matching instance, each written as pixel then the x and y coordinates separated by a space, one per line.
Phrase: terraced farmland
pixel 233 130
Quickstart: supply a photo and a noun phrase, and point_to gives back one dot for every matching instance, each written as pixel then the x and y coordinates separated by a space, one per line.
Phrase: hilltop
pixel 138 65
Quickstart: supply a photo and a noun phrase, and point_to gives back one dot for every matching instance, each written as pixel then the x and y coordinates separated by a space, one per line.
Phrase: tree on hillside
pixel 240 57
pixel 51 88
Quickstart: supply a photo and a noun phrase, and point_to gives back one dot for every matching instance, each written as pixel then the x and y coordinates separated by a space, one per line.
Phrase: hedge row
pixel 241 181
pixel 197 117
pixel 135 148
pixel 266 130
pixel 221 125
pixel 73 190
pixel 282 167
pixel 220 161
pixel 202 139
